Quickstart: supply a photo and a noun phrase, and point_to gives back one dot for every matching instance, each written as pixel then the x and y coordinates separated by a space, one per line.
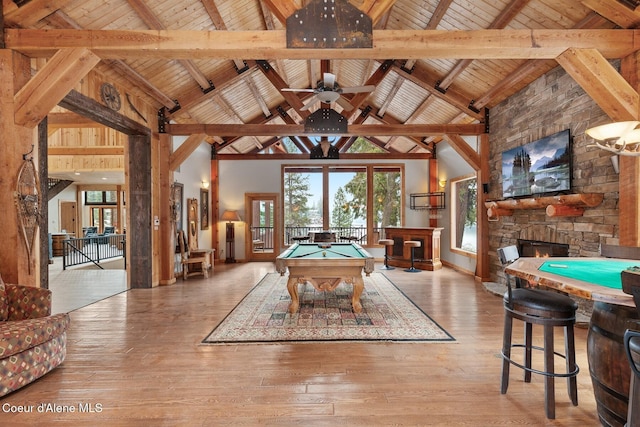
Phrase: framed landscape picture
pixel 204 209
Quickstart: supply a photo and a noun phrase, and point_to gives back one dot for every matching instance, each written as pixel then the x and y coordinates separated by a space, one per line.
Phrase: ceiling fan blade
pixel 329 80
pixel 344 104
pixel 288 89
pixel 310 103
pixel 358 89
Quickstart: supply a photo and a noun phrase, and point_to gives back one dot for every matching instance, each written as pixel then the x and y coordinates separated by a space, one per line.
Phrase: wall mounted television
pixel 539 167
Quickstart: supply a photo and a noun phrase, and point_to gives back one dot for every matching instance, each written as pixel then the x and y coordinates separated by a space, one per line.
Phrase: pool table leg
pixel 292 287
pixel 358 287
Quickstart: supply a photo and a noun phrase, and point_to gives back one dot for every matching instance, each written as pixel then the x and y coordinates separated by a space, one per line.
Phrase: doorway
pixel 68 215
pixel 262 241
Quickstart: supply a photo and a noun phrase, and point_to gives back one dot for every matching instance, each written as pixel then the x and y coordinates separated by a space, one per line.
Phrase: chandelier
pixel 621 138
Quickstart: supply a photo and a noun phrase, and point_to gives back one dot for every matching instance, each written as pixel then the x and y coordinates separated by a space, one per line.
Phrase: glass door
pixel 262 227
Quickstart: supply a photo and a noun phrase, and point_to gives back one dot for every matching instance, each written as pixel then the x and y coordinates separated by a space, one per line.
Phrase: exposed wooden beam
pixel 81 104
pixel 185 150
pixel 153 22
pixel 281 9
pixel 615 12
pixel 425 78
pixel 602 82
pixel 61 20
pixel 50 85
pixel 358 99
pixel 343 156
pixel 376 9
pixel 353 130
pixel 32 12
pixel 195 96
pixel 414 44
pixel 531 70
pixel 86 151
pixel 70 120
pixel 279 83
pixel 464 150
pixel 501 21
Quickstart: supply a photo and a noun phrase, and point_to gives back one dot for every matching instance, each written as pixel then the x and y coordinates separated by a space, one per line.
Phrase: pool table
pixel 325 266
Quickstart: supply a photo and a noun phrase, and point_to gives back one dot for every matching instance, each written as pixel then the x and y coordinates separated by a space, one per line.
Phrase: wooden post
pixel 17 140
pixel 166 230
pixel 138 159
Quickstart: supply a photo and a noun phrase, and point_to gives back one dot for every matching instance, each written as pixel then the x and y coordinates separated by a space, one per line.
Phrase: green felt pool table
pixel 325 268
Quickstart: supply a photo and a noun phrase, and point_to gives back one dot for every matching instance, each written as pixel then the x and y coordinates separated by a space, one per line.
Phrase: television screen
pixel 539 167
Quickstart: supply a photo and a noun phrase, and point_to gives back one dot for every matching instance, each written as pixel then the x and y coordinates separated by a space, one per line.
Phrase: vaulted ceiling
pixel 221 65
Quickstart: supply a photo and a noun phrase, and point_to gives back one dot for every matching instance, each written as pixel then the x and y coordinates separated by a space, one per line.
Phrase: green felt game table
pixel 614 311
pixel 594 278
pixel 325 268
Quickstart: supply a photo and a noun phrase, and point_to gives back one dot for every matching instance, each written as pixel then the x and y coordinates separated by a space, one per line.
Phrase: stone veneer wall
pixel 552 103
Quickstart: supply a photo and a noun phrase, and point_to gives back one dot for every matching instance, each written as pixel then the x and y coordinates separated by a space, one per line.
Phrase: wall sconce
pixel 621 138
pixel 442 183
pixel 615 163
pixel 205 184
pixel 230 216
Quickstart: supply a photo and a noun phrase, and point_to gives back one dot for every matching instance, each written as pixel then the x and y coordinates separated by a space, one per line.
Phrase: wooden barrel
pixel 57 245
pixel 633 418
pixel 608 363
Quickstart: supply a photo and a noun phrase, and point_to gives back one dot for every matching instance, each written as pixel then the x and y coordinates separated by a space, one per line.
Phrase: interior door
pixel 262 242
pixel 68 213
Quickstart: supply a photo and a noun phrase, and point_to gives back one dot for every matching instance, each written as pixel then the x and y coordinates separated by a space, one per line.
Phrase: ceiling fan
pixel 328 91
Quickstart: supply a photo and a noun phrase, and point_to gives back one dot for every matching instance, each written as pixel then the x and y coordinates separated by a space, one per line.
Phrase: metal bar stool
pixel 632 347
pixel 539 307
pixel 386 243
pixel 413 244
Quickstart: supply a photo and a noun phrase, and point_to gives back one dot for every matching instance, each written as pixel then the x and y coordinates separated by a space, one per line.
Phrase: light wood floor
pixel 138 356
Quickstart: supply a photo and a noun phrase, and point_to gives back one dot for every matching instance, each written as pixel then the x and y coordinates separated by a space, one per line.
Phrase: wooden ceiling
pixel 217 67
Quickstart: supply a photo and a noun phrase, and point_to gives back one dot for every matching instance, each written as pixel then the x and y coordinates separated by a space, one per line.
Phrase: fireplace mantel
pixel 556 206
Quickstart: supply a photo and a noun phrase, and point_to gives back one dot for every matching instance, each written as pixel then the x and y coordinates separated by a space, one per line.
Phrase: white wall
pixel 66 195
pixel 451 165
pixel 195 169
pixel 238 177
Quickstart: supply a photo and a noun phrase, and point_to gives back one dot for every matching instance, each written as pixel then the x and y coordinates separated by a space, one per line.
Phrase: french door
pixel 262 242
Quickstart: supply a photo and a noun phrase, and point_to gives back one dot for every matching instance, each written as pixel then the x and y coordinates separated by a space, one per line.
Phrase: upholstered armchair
pixel 32 341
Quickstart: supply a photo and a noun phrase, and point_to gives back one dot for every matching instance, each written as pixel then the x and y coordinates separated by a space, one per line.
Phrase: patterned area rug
pixel 387 315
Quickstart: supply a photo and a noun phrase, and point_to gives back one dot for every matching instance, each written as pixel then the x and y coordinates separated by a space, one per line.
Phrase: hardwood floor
pixel 136 358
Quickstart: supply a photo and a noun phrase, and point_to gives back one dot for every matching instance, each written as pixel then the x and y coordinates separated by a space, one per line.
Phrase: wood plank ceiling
pixel 243 91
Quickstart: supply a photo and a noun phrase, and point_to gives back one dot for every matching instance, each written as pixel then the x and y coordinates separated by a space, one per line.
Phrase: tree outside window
pixel 464 215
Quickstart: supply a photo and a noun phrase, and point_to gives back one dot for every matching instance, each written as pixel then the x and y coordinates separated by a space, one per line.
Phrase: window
pixel 464 218
pixel 354 201
pixel 100 198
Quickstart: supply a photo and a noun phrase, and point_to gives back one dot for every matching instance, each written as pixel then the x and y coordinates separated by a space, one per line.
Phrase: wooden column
pixel 16 140
pixel 43 172
pixel 629 195
pixel 138 159
pixel 214 206
pixel 166 230
pixel 482 221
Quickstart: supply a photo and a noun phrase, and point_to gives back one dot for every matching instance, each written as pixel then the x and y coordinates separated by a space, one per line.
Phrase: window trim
pixel 452 202
pixel 370 168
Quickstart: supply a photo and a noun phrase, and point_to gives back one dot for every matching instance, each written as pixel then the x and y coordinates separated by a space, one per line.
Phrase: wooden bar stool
pixel 386 243
pixel 550 310
pixel 413 244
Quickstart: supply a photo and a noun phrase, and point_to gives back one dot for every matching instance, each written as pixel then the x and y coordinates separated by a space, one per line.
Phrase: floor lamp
pixel 230 216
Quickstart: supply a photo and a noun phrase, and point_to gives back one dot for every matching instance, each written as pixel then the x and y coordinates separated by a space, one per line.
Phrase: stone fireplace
pixel 537 248
pixel 531 114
